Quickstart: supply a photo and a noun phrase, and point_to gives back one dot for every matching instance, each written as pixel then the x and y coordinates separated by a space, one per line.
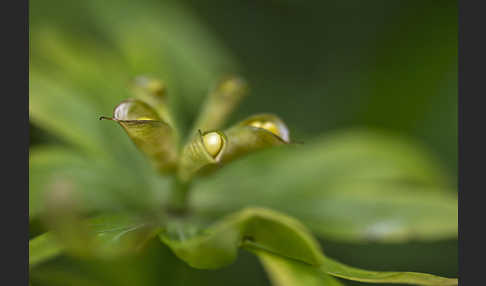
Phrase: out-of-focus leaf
pixel 100 60
pixel 103 236
pixel 77 271
pixel 95 184
pixel 43 248
pixel 221 101
pixel 66 111
pixel 152 135
pixel 121 233
pixel 94 69
pixel 176 47
pixel 218 245
pixel 316 275
pixel 263 230
pixel 58 109
pixel 288 272
pixel 51 168
pixel 352 186
pixel 341 270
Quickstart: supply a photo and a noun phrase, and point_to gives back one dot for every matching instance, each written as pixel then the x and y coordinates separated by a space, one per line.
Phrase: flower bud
pixel 154 93
pixel 221 101
pixel 154 137
pixel 205 150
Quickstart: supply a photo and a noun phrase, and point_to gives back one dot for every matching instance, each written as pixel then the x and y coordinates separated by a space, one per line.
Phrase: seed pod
pixel 151 135
pixel 154 93
pixel 255 133
pixel 201 153
pixel 221 101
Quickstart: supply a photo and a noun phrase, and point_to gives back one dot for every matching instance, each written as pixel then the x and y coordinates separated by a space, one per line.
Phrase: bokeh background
pixel 320 65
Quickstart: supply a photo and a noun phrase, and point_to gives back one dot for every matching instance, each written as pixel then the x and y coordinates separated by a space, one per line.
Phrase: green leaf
pixel 43 248
pixel 267 233
pixel 95 184
pixel 103 236
pixel 155 138
pixel 51 168
pixel 288 272
pixel 218 245
pixel 61 111
pixel 283 270
pixel 349 186
pixel 341 270
pixel 177 47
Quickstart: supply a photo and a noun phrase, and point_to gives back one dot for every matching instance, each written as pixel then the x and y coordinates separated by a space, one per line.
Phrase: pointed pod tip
pixel 267 125
pixel 105 118
pixel 134 109
pixel 270 123
pixel 149 84
pixel 233 85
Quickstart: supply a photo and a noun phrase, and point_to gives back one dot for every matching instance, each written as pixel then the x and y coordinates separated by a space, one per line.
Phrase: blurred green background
pixel 320 65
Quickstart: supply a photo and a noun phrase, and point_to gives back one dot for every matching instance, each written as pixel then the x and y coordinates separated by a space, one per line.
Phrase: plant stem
pixel 178 201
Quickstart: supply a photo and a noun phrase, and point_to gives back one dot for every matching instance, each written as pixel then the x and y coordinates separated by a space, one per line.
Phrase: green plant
pixel 389 189
pixel 98 210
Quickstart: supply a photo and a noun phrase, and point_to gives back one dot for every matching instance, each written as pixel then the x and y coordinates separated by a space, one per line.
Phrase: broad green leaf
pixel 93 68
pixel 263 230
pixel 60 110
pixel 43 248
pixel 350 186
pixel 117 234
pixel 218 245
pixel 154 137
pixel 288 272
pixel 341 270
pixel 54 168
pixel 284 271
pixel 94 184
pixel 103 236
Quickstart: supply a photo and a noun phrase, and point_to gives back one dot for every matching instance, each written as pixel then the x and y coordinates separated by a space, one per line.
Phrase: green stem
pixel 178 201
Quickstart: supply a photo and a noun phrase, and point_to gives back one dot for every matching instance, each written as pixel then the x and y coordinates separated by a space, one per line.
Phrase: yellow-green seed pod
pixel 154 93
pixel 254 133
pixel 268 122
pixel 201 153
pixel 154 137
pixel 221 101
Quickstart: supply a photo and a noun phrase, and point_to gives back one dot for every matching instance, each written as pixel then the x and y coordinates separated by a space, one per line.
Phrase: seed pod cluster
pixel 147 121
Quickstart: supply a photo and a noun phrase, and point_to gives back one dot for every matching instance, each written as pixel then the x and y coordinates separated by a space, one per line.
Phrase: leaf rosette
pixel 350 169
